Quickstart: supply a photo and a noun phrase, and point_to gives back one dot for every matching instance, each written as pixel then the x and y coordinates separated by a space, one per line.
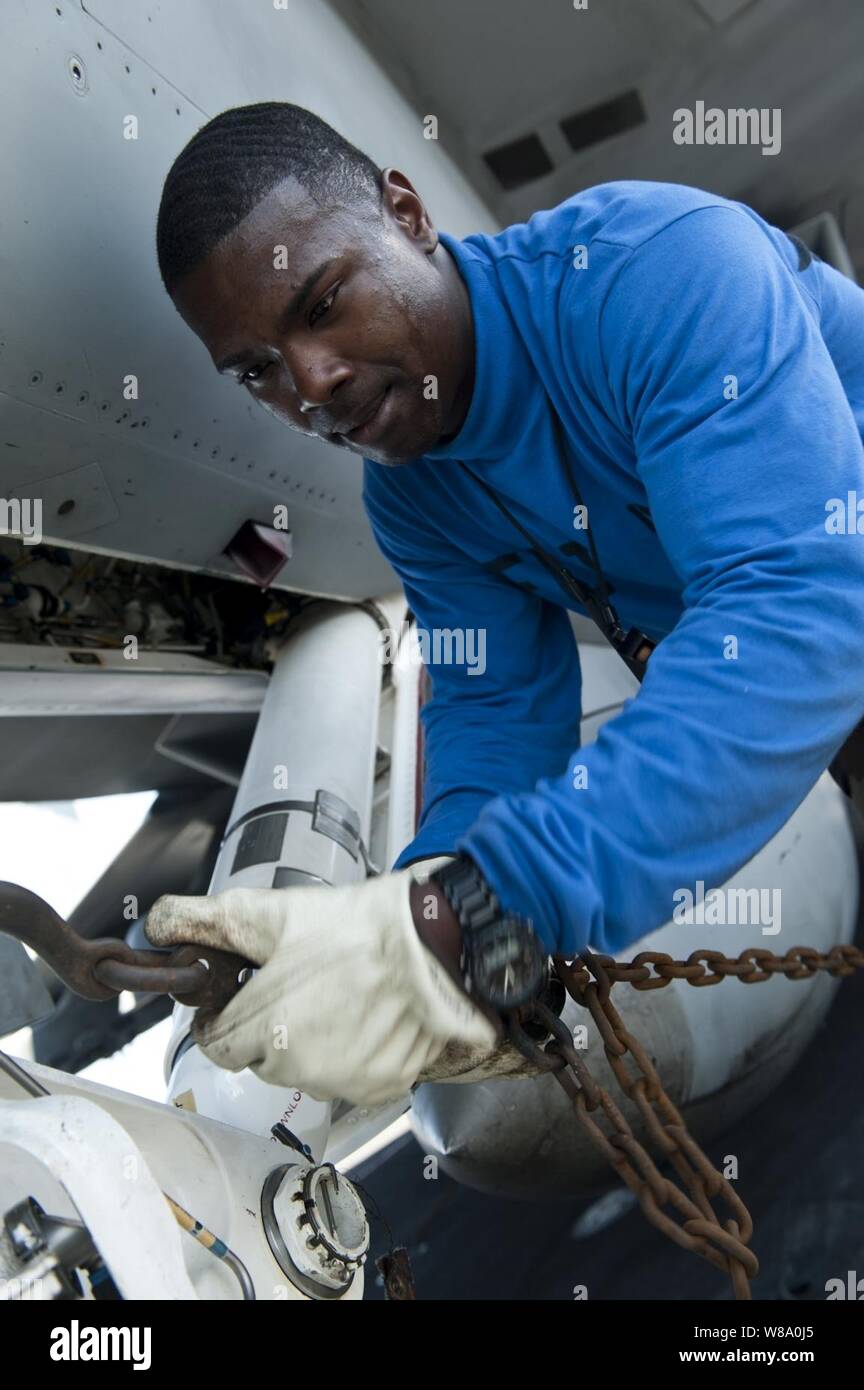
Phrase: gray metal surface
pixel 91 755
pixel 172 475
pixel 24 997
pixel 53 682
pixel 496 71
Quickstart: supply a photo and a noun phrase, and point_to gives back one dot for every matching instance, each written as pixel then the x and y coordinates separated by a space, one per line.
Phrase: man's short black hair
pixel 235 160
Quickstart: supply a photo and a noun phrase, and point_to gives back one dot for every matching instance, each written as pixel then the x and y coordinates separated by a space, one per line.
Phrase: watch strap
pixel 469 895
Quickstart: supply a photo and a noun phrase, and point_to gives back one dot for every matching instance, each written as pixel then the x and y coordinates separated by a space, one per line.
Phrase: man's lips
pixel 365 427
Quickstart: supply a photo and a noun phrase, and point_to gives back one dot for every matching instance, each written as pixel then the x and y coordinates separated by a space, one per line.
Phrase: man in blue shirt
pixel 647 385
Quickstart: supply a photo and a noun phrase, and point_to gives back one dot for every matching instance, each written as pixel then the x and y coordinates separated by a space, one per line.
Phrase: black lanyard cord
pixel 633 647
pixel 589 534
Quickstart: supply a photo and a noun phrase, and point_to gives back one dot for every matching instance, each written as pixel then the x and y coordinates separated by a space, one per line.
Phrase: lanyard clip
pixel 604 615
pixel 636 648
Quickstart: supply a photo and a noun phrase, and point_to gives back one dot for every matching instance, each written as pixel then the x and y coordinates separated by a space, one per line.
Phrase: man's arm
pixel 496 731
pixel 746 701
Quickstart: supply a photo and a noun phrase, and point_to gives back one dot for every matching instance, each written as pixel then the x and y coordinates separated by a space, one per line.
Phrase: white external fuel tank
pixel 302 816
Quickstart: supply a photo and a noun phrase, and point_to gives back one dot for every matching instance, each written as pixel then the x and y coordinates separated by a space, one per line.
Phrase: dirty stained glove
pixel 348 1001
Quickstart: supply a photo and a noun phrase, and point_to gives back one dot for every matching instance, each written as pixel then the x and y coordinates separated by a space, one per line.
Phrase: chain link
pixel 699 1229
pixel 751 966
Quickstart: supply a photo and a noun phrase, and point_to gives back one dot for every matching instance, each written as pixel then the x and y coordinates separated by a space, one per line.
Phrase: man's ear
pixel 403 204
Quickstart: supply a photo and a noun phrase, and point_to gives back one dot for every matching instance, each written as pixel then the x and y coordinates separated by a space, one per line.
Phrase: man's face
pixel 347 323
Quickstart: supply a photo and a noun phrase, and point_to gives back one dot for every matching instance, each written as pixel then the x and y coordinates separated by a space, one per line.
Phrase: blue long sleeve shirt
pixel 709 376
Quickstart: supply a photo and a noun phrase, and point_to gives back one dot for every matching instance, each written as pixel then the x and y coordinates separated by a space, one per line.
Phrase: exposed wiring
pixel 99 602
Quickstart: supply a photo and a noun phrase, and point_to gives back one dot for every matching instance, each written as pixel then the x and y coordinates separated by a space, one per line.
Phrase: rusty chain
pixel 750 967
pixel 589 984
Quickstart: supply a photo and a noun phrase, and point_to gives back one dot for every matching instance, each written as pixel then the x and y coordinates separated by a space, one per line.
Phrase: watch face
pixel 507 963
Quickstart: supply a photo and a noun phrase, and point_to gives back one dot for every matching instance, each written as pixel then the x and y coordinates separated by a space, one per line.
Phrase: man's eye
pixel 253 373
pixel 324 305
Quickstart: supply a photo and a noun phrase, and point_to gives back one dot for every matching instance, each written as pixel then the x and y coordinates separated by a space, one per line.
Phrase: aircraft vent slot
pixel 519 162
pixel 598 123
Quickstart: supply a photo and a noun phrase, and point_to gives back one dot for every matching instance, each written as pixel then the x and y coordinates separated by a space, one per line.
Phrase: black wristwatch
pixel 502 961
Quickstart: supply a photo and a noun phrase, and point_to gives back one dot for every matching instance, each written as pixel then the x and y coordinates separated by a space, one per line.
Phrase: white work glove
pixel 348 1002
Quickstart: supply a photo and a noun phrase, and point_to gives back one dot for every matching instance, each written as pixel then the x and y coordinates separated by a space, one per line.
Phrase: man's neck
pixel 463 344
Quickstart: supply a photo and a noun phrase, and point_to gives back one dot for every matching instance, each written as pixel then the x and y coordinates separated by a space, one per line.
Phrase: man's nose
pixel 316 381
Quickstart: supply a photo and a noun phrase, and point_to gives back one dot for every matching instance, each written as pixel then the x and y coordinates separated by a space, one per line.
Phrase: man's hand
pixel 348 1001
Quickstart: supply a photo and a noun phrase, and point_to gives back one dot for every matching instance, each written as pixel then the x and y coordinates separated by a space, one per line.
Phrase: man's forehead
pixel 286 206
pixel 276 248
pixel 289 217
